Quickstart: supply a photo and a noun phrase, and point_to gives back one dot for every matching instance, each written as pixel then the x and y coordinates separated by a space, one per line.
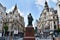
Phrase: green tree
pixel 59 30
pixel 6 28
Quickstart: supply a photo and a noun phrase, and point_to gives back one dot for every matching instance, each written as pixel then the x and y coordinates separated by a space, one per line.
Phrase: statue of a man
pixel 30 19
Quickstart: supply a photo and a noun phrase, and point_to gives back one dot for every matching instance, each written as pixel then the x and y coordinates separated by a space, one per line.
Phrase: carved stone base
pixel 29 33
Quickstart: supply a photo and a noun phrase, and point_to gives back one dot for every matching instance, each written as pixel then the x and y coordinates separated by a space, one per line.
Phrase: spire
pixel 46 5
pixel 15 8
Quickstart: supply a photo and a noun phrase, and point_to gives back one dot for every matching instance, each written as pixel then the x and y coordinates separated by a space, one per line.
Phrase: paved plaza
pixel 21 38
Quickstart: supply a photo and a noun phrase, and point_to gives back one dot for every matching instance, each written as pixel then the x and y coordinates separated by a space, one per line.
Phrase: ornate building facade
pixel 2 16
pixel 48 20
pixel 15 21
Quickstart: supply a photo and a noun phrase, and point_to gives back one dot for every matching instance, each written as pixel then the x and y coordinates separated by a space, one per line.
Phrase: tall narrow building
pixel 58 10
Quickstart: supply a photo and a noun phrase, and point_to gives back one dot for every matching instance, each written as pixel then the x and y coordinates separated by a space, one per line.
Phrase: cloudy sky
pixel 28 6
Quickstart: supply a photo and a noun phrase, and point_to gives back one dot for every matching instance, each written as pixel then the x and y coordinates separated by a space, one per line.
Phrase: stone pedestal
pixel 29 33
pixel 57 38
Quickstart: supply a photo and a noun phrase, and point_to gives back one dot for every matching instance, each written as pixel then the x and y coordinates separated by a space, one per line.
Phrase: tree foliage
pixel 6 27
pixel 59 30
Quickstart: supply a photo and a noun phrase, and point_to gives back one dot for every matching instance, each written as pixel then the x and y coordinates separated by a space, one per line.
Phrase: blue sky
pixel 28 6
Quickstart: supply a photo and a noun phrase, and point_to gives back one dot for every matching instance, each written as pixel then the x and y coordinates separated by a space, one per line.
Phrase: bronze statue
pixel 30 19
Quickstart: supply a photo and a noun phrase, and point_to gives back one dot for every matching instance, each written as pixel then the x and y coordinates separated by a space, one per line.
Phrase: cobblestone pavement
pixel 19 38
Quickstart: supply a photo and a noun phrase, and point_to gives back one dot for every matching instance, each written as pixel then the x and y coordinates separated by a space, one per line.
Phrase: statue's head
pixel 29 13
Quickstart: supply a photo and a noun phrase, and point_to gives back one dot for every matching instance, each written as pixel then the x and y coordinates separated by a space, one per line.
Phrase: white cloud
pixel 40 2
pixel 55 8
pixel 20 12
pixel 25 19
pixel 10 9
pixel 55 1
